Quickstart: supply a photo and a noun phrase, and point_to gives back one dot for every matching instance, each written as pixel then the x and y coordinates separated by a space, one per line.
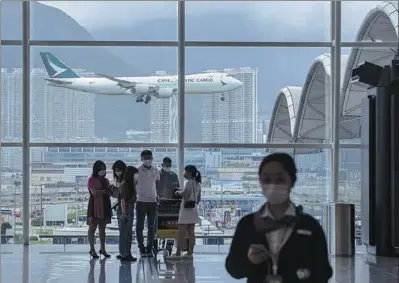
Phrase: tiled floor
pixel 41 264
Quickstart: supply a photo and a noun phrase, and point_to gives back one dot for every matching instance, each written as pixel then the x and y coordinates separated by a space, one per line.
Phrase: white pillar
pixel 26 120
pixel 181 78
pixel 336 102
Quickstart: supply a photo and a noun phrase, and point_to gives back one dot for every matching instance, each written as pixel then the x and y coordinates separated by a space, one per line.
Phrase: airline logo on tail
pixel 56 69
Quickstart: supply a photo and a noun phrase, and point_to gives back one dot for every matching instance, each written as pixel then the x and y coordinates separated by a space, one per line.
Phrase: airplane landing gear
pixel 222 98
pixel 138 100
pixel 147 99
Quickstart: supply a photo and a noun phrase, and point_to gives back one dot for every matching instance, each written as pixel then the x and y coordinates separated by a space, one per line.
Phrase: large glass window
pixel 256 95
pixel 130 95
pixel 11 195
pixel 104 20
pixel 59 195
pixel 11 93
pixel 370 21
pixel 11 20
pixel 230 184
pixel 258 20
pixel 234 94
pixel 353 94
pixel 350 181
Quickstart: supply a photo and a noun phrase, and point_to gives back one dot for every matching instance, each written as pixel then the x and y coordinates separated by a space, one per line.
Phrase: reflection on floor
pixel 34 265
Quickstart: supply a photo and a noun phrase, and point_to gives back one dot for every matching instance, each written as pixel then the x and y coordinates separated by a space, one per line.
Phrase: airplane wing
pixel 58 81
pixel 121 83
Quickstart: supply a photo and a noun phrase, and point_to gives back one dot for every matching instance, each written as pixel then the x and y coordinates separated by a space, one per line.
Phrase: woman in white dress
pixel 188 214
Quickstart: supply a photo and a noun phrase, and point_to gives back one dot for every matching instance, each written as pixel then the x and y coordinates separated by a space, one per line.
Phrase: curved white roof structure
pixel 315 103
pixel 284 115
pixel 312 107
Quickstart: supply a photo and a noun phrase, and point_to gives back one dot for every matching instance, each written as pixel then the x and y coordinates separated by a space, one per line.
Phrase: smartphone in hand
pixel 258 247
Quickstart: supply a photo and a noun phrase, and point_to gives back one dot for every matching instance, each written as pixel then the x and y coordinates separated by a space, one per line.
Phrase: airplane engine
pixel 142 88
pixel 165 93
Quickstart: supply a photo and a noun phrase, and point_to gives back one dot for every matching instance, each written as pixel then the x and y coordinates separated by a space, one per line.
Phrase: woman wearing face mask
pixel 128 197
pixel 99 211
pixel 279 243
pixel 119 170
pixel 188 214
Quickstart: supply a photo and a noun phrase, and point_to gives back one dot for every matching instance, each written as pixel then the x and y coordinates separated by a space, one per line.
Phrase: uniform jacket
pixel 303 258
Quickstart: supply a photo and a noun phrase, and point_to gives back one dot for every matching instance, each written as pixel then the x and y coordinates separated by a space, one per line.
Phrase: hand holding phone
pixel 257 253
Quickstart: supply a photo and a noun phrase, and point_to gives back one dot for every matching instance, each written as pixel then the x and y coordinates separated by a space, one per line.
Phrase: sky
pixel 95 14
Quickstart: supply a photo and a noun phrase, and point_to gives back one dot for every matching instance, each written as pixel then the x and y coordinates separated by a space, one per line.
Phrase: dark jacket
pixel 300 252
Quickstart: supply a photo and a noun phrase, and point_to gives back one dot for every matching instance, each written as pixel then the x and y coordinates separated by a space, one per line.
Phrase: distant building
pixel 55 215
pixel 60 114
pixel 263 126
pixel 235 119
pixel 11 104
pixel 164 125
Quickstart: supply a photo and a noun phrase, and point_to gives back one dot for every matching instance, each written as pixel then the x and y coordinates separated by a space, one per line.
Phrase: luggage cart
pixel 166 225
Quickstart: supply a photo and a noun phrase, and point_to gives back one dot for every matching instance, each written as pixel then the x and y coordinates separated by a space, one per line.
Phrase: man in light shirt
pixel 147 198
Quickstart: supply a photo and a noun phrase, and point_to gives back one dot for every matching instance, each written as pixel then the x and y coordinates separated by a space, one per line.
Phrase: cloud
pixel 298 14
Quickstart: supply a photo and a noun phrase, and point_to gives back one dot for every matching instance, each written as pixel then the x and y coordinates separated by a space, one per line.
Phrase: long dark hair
pixel 194 172
pixel 120 165
pixel 129 180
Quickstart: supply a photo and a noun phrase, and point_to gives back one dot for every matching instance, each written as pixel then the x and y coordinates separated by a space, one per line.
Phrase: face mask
pixel 166 169
pixel 102 173
pixel 136 177
pixel 118 173
pixel 276 194
pixel 147 163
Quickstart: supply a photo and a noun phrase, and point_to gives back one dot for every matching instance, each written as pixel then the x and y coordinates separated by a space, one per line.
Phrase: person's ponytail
pixel 198 177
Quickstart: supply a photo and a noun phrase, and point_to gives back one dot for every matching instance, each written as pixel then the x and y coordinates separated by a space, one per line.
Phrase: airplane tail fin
pixel 56 68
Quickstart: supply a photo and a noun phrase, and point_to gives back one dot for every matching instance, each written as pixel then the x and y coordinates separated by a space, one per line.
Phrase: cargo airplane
pixel 141 88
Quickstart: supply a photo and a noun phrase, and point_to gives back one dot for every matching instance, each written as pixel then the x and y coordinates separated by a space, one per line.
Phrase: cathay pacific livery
pixel 142 88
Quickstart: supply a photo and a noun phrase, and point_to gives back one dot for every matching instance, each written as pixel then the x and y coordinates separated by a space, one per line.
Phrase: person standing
pixel 147 202
pixel 188 214
pixel 128 199
pixel 279 243
pixel 169 182
pixel 119 170
pixel 99 211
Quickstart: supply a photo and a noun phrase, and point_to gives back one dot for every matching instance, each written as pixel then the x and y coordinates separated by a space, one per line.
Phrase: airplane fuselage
pixel 194 84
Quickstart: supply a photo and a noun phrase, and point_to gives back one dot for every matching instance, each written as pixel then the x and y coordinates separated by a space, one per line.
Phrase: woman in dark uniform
pixel 99 211
pixel 279 243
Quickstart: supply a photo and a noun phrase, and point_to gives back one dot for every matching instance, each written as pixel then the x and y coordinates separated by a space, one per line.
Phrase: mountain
pixel 278 67
pixel 98 59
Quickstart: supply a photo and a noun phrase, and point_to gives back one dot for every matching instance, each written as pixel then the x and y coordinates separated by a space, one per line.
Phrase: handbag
pixel 190 203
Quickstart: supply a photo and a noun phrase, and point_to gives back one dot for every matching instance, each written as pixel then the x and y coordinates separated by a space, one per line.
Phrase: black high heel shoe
pixel 93 254
pixel 104 253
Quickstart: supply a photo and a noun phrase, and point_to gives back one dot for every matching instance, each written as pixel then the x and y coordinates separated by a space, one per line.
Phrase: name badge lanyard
pixel 274 277
pixel 274 258
pixel 275 255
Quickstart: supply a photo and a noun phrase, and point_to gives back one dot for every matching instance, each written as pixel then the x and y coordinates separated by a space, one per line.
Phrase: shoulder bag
pixel 190 203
